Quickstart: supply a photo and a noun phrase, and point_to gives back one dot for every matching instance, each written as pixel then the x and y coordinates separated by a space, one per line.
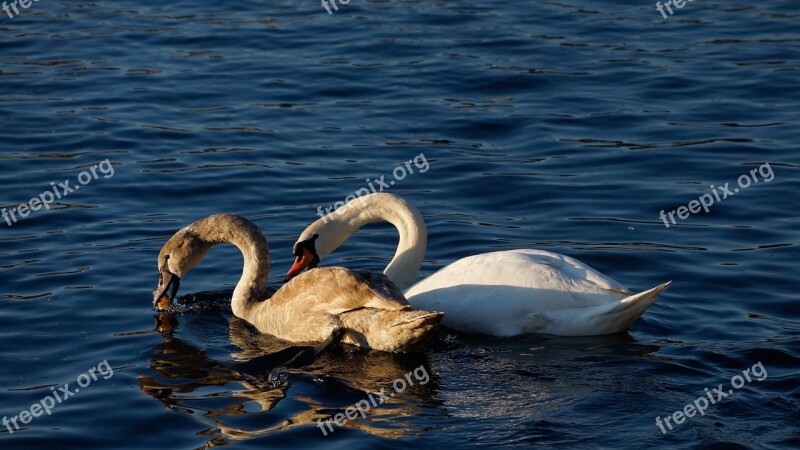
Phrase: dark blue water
pixel 565 126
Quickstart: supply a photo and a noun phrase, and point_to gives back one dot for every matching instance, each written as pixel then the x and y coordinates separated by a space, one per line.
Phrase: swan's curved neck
pixel 345 221
pixel 246 236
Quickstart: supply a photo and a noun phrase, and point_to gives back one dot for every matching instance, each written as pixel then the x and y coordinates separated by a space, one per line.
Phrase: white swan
pixel 323 305
pixel 503 293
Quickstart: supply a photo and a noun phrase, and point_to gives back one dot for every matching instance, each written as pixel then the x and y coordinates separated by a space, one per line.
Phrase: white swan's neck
pixel 335 228
pixel 242 233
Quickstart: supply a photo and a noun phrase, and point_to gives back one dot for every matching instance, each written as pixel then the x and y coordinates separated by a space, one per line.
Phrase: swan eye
pixel 306 244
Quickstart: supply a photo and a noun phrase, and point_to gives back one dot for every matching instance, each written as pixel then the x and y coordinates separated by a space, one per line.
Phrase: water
pixel 565 126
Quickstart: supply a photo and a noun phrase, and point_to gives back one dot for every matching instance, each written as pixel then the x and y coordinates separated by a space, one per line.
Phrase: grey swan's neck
pixel 245 235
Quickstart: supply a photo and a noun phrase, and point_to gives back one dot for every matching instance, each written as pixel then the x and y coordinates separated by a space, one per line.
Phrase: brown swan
pixel 322 305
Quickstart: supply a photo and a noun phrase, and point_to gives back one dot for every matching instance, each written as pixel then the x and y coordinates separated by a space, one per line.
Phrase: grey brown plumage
pixel 312 306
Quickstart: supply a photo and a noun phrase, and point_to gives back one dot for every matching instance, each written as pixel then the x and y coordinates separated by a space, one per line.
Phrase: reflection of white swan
pixel 502 293
pixel 323 305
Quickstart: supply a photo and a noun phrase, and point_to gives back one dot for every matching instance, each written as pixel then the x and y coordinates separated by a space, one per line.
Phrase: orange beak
pixel 300 263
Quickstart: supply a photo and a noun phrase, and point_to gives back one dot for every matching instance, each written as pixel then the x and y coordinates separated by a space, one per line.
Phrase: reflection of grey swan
pixel 324 305
pixel 501 293
pixel 234 401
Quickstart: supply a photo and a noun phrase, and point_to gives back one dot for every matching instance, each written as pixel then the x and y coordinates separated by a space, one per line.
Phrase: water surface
pixel 566 126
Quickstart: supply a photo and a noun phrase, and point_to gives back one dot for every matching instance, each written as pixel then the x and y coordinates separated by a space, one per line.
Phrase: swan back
pixel 336 289
pixel 503 293
pixel 527 269
pixel 371 309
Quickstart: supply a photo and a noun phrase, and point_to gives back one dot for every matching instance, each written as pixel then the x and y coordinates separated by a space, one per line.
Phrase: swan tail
pixel 609 318
pixel 410 319
pixel 390 330
pixel 635 305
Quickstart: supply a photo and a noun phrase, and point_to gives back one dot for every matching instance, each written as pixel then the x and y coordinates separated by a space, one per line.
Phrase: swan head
pixel 305 256
pixel 179 255
pixel 328 233
pixel 319 240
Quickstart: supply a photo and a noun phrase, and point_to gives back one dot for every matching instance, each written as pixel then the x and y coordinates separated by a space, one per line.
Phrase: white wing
pixel 524 291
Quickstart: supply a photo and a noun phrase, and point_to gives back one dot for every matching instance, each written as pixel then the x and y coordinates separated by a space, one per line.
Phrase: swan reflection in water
pixel 241 398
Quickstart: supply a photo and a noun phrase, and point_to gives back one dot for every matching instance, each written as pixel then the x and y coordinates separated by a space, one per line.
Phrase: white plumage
pixel 503 293
pixel 529 291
